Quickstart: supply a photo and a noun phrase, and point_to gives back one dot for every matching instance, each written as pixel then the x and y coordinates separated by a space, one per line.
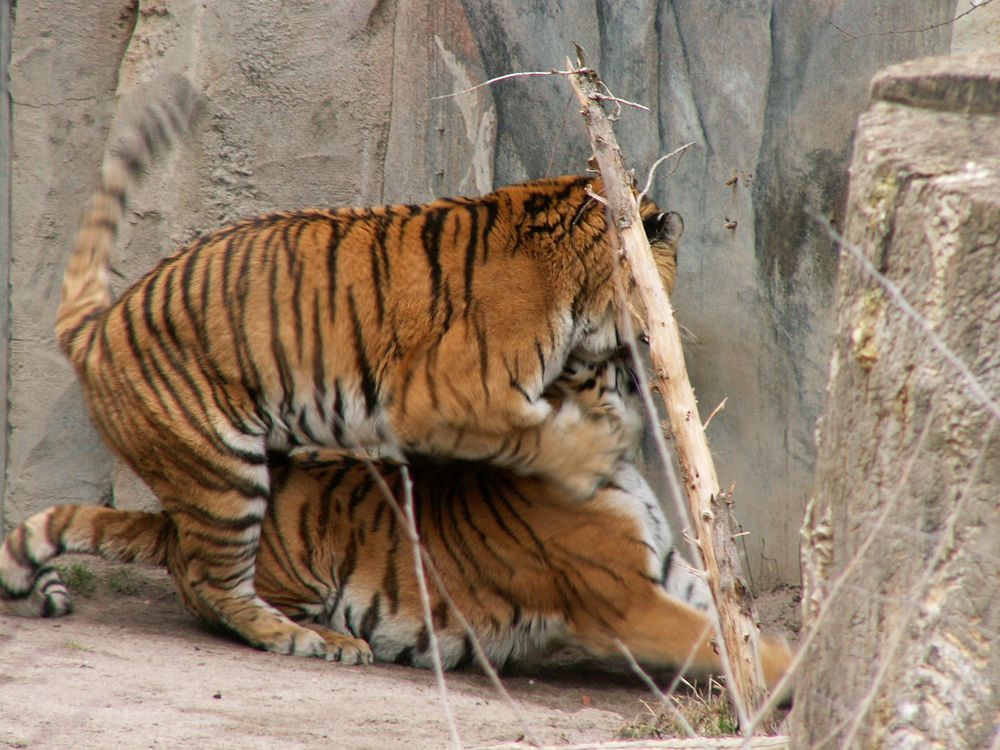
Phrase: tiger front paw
pixel 344 648
pixel 580 451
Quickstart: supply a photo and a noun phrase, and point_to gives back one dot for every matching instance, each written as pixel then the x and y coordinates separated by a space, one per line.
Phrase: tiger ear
pixel 667 226
pixel 672 226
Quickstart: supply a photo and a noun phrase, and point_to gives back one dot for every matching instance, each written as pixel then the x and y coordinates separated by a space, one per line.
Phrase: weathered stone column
pixel 901 552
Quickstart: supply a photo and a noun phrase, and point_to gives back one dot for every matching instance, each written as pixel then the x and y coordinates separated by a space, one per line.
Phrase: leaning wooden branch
pixel 709 506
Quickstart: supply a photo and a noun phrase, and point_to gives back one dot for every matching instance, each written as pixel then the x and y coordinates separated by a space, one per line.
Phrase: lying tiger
pixel 398 330
pixel 526 563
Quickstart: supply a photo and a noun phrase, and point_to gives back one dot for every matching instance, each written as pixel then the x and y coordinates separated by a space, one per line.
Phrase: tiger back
pixel 527 565
pixel 402 330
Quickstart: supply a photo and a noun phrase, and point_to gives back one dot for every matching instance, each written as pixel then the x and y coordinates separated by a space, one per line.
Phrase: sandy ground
pixel 136 671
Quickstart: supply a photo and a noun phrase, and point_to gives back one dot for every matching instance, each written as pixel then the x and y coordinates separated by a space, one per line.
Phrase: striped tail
pixel 86 290
pixel 32 588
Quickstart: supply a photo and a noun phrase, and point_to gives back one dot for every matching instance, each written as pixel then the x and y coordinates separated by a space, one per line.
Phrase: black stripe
pixel 470 254
pixel 479 330
pixel 272 247
pixel 303 427
pixel 513 376
pixel 668 561
pixel 343 575
pixel 103 222
pixel 405 657
pixel 339 425
pixel 430 237
pixel 368 385
pixel 492 209
pixel 359 494
pixel 331 266
pixel 319 363
pixel 118 194
pixel 291 236
pixel 390 581
pixel 430 370
pixel 371 618
pixel 237 310
pixel 205 516
pixel 376 250
pixel 423 640
pixel 468 654
pixel 226 582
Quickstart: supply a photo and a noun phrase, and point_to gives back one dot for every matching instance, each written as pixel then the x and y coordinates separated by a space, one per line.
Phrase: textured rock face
pixel 332 104
pixel 902 575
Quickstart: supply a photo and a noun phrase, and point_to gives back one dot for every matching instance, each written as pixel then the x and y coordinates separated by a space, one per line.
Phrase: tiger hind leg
pixel 214 562
pixel 30 587
pixel 663 631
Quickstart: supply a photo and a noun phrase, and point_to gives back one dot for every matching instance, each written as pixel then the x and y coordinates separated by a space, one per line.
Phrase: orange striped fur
pixel 528 565
pixel 395 330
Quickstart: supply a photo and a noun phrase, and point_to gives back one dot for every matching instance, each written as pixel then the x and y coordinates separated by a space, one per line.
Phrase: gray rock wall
pixel 332 103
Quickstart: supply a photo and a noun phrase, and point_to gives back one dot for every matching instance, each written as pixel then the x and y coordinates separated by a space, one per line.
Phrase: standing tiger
pixel 526 564
pixel 397 330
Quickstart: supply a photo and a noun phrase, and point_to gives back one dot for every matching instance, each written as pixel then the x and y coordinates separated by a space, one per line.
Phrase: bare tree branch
pixel 893 32
pixel 507 77
pixel 652 169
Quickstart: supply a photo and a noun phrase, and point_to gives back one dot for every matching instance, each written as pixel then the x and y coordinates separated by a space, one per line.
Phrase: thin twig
pixel 429 566
pixel 933 26
pixel 425 602
pixel 641 673
pixel 716 410
pixel 595 196
pixel 658 162
pixel 508 76
pixel 618 100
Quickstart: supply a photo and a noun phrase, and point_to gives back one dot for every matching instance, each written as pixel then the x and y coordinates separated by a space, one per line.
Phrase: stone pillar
pixel 901 553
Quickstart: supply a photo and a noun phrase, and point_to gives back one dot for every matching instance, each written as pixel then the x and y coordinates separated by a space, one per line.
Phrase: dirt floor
pixel 131 669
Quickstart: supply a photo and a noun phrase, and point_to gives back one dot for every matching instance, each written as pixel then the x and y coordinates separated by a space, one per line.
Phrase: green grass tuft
pixel 79 578
pixel 706 708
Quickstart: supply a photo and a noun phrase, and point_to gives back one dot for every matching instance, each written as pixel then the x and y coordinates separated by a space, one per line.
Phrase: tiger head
pixel 604 389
